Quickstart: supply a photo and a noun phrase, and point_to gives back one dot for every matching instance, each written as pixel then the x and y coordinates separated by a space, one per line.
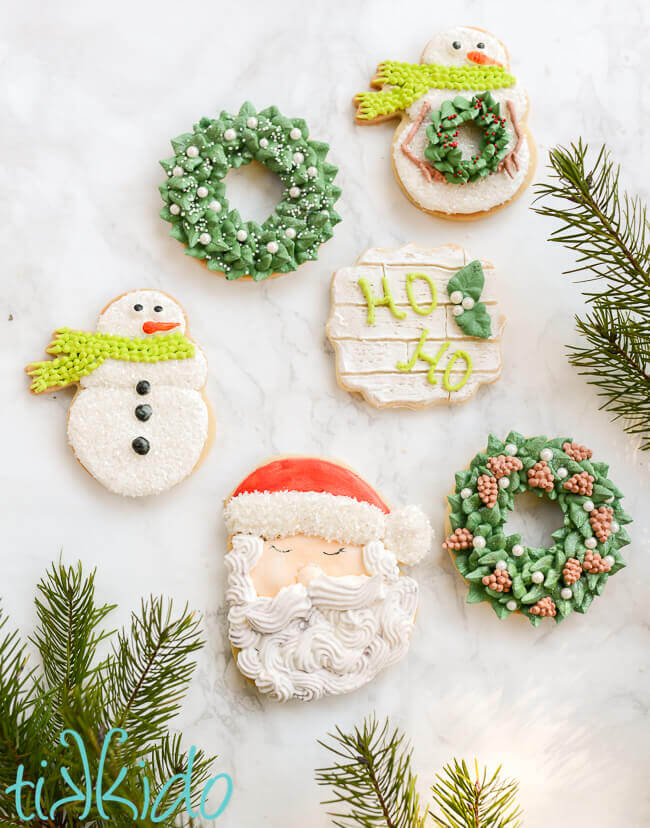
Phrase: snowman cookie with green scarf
pixel 462 149
pixel 139 422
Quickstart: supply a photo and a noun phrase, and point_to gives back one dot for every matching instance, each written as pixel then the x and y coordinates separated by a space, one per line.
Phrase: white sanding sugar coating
pixel 103 422
pixel 445 197
pixel 329 637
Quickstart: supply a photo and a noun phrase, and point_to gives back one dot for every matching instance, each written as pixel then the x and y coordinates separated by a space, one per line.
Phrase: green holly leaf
pixel 476 593
pixel 577 514
pixel 469 280
pixel 475 322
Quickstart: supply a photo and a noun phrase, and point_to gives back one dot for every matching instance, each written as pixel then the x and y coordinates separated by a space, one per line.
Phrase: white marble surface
pixel 91 93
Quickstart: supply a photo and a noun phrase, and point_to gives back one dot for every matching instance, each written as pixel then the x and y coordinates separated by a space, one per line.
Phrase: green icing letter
pixel 410 278
pixel 419 354
pixel 373 302
pixel 450 365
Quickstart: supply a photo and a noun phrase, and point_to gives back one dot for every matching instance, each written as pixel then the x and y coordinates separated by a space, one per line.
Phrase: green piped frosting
pixel 470 280
pixel 301 222
pixel 410 81
pixel 443 151
pixel 470 513
pixel 82 353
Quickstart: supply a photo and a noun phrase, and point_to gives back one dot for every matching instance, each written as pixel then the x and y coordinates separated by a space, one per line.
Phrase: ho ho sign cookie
pixel 415 326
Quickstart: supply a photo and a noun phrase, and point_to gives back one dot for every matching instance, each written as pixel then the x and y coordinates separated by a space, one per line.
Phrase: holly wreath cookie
pixel 535 581
pixel 212 230
pixel 462 148
pixel 415 326
pixel 318 604
pixel 139 422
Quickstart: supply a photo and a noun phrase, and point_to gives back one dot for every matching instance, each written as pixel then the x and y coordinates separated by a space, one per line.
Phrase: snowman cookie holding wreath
pixel 462 149
pixel 139 422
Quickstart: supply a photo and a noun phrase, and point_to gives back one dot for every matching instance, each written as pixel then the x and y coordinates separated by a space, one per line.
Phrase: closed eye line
pixel 281 551
pixel 338 552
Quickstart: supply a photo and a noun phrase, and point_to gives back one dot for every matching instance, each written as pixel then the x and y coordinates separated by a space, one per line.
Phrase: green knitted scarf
pixel 84 352
pixel 409 81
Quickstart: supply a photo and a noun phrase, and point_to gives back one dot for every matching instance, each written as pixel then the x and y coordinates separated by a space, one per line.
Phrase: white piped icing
pixel 330 637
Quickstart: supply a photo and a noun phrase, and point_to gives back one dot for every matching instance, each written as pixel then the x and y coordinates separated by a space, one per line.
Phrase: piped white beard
pixel 328 638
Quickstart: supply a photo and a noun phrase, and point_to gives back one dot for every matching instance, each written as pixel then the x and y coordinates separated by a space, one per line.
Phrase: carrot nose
pixel 152 327
pixel 483 59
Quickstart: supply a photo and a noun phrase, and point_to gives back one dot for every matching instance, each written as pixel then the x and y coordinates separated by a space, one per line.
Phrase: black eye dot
pixel 457 44
pixel 137 307
pixel 157 308
pixel 480 45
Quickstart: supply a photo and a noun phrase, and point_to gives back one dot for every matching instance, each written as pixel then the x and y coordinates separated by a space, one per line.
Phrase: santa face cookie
pixel 415 326
pixel 317 603
pixel 462 149
pixel 139 422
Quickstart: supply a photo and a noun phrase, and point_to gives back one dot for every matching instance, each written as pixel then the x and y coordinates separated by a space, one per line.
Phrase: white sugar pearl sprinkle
pixel 205 238
pixel 546 454
pixel 588 506
pixel 504 482
pixel 298 158
pixel 264 143
pixel 294 192
pixel 178 171
pixel 251 122
pixel 566 594
pixel 192 151
pixel 456 297
pixel 230 134
pixel 537 577
pixel 295 134
pixel 215 205
pixel 290 233
pixel 591 543
pixel 479 542
pixel 511 606
pixel 272 247
pixel 468 303
pixel 609 559
pixel 242 235
pixel 174 209
pixel 614 527
pixel 457 310
pixel 202 192
pixel 517 550
pixel 501 565
pixel 465 493
pixel 562 472
pixel 312 172
pixel 511 449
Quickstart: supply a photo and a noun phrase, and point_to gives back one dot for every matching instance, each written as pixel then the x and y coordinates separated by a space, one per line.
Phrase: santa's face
pixel 316 634
pixel 464 46
pixel 142 313
pixel 300 558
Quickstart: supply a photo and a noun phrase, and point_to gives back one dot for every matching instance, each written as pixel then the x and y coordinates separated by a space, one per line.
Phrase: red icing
pixel 152 327
pixel 310 474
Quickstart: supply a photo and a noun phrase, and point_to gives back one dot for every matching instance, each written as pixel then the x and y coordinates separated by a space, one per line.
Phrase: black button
pixel 143 412
pixel 143 387
pixel 457 44
pixel 140 445
pixel 158 308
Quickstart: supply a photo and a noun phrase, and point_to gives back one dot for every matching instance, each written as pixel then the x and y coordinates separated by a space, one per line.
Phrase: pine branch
pixel 611 235
pixel 372 776
pixel 151 668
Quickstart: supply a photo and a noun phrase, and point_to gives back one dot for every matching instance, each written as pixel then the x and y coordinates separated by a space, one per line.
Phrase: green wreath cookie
pixel 514 577
pixel 197 207
pixel 442 149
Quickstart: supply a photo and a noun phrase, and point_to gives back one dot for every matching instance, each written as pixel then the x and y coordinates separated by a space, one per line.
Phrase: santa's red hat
pixel 312 496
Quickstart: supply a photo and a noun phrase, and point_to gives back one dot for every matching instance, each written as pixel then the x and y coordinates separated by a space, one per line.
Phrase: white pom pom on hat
pixel 312 496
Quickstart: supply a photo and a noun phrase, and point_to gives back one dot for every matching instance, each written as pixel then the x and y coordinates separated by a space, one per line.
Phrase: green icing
pixel 468 371
pixel 82 353
pixel 212 231
pixel 409 81
pixel 420 354
pixel 443 150
pixel 469 280
pixel 410 278
pixel 569 540
pixel 385 300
